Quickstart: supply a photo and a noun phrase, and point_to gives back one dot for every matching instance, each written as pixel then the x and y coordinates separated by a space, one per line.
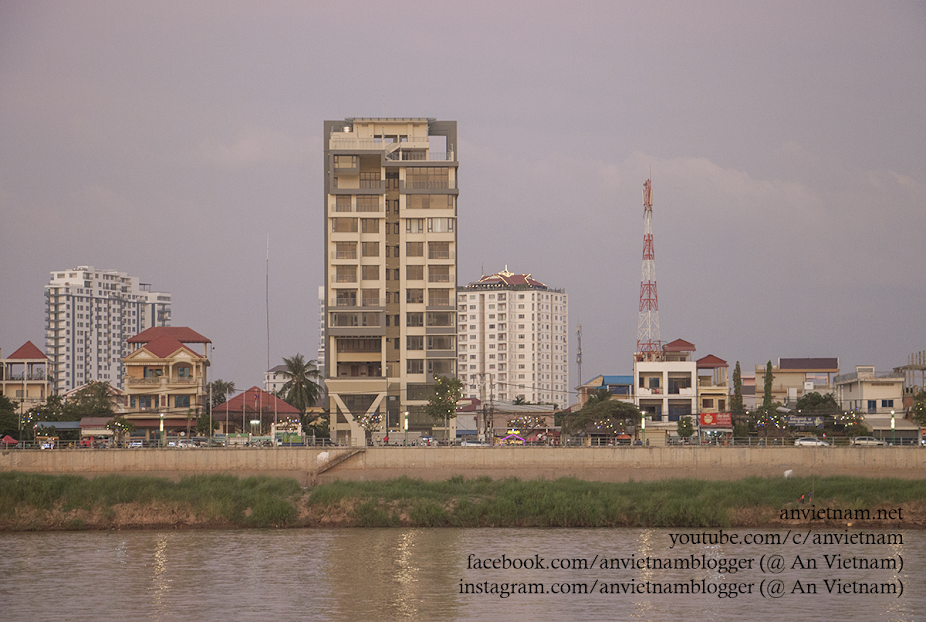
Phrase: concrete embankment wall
pixel 439 463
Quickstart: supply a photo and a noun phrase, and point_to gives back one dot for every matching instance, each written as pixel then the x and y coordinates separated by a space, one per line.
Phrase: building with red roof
pixel 513 335
pixel 239 413
pixel 165 379
pixel 24 377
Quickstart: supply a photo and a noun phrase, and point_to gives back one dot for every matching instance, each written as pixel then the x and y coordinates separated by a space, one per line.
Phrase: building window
pixel 414 273
pixel 344 225
pixel 414 296
pixel 369 273
pixel 440 225
pixel 415 366
pixel 414 342
pixel 414 225
pixel 414 319
pixel 414 249
pixel 887 403
pixel 369 249
pixel 872 406
pixel 182 401
pixel 369 225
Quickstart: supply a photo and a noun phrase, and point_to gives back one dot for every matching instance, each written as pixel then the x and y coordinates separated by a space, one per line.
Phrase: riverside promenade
pixel 311 465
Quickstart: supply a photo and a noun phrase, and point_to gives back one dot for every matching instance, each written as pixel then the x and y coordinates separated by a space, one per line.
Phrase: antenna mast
pixel 648 340
pixel 579 351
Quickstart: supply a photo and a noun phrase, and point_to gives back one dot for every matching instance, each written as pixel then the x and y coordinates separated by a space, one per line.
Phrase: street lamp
pixel 162 430
pixel 406 428
pixel 642 426
pixel 893 438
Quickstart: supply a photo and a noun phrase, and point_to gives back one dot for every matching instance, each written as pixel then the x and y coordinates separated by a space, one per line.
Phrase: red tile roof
pixel 27 351
pixel 182 334
pixel 165 345
pixel 679 345
pixel 253 399
pixel 711 362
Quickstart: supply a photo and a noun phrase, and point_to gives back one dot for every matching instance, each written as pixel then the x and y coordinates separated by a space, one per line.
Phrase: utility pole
pixel 579 356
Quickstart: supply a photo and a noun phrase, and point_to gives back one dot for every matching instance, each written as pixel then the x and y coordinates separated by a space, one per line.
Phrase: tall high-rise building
pixel 89 316
pixel 390 270
pixel 513 339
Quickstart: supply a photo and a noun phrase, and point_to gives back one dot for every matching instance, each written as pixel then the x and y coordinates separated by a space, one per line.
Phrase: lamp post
pixel 642 426
pixel 162 430
pixel 893 437
pixel 406 428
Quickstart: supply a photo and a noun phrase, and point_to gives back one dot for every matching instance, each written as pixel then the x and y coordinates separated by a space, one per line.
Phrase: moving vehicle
pixel 810 441
pixel 867 440
pixel 473 444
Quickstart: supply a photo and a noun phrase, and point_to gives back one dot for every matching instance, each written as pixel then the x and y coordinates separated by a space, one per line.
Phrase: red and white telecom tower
pixel 648 340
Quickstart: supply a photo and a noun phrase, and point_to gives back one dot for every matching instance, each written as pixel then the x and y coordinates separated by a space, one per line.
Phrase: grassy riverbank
pixel 30 502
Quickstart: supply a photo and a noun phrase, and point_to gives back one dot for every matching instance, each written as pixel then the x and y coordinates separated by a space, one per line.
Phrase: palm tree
pixel 301 388
pixel 220 391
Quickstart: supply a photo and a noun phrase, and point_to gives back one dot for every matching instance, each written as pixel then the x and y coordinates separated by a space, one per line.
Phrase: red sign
pixel 717 420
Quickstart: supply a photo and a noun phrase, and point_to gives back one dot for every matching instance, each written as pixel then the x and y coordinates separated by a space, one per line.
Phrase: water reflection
pixel 407 574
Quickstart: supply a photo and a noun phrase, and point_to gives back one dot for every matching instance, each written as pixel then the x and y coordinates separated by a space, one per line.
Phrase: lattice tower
pixel 648 339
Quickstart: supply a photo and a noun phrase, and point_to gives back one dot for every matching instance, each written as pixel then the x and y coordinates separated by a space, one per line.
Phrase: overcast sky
pixel 786 142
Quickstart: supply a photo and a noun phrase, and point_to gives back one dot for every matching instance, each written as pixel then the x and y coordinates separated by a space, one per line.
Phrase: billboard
pixel 716 420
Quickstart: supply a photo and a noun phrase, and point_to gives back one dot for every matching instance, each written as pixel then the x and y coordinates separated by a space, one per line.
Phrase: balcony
pixel 440 254
pixel 344 254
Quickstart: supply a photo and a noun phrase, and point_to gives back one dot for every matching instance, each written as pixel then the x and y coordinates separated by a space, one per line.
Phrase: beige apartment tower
pixel 391 269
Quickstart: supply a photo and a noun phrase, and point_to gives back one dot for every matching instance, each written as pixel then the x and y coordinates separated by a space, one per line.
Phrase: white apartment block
pixel 89 315
pixel 390 212
pixel 513 334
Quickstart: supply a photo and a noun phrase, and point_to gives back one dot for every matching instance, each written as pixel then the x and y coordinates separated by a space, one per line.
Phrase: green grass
pixel 224 500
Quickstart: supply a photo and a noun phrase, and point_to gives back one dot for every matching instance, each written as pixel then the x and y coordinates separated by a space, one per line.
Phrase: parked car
pixel 135 444
pixel 867 440
pixel 473 444
pixel 810 441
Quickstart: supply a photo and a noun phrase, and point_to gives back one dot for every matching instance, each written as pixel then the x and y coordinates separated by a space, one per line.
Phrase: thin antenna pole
pixel 268 301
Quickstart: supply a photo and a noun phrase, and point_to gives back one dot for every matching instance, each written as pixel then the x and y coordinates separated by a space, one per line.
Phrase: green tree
pixel 202 424
pixel 605 414
pixel 519 400
pixel 736 405
pixel 442 406
pixel 919 408
pixel 685 427
pixel 301 388
pixel 9 422
pixel 814 402
pixel 220 391
pixel 767 395
pixel 95 399
pixel 120 426
pixel 370 422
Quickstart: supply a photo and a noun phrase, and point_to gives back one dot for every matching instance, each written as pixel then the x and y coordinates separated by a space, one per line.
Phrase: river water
pixel 435 574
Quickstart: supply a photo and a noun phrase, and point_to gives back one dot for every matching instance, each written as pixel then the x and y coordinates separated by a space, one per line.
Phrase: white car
pixel 810 441
pixel 473 444
pixel 867 440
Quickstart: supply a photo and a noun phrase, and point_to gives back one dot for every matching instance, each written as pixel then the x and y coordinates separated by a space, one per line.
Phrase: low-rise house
pixel 870 392
pixel 793 377
pixel 24 377
pixel 166 380
pixel 665 384
pixel 256 412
